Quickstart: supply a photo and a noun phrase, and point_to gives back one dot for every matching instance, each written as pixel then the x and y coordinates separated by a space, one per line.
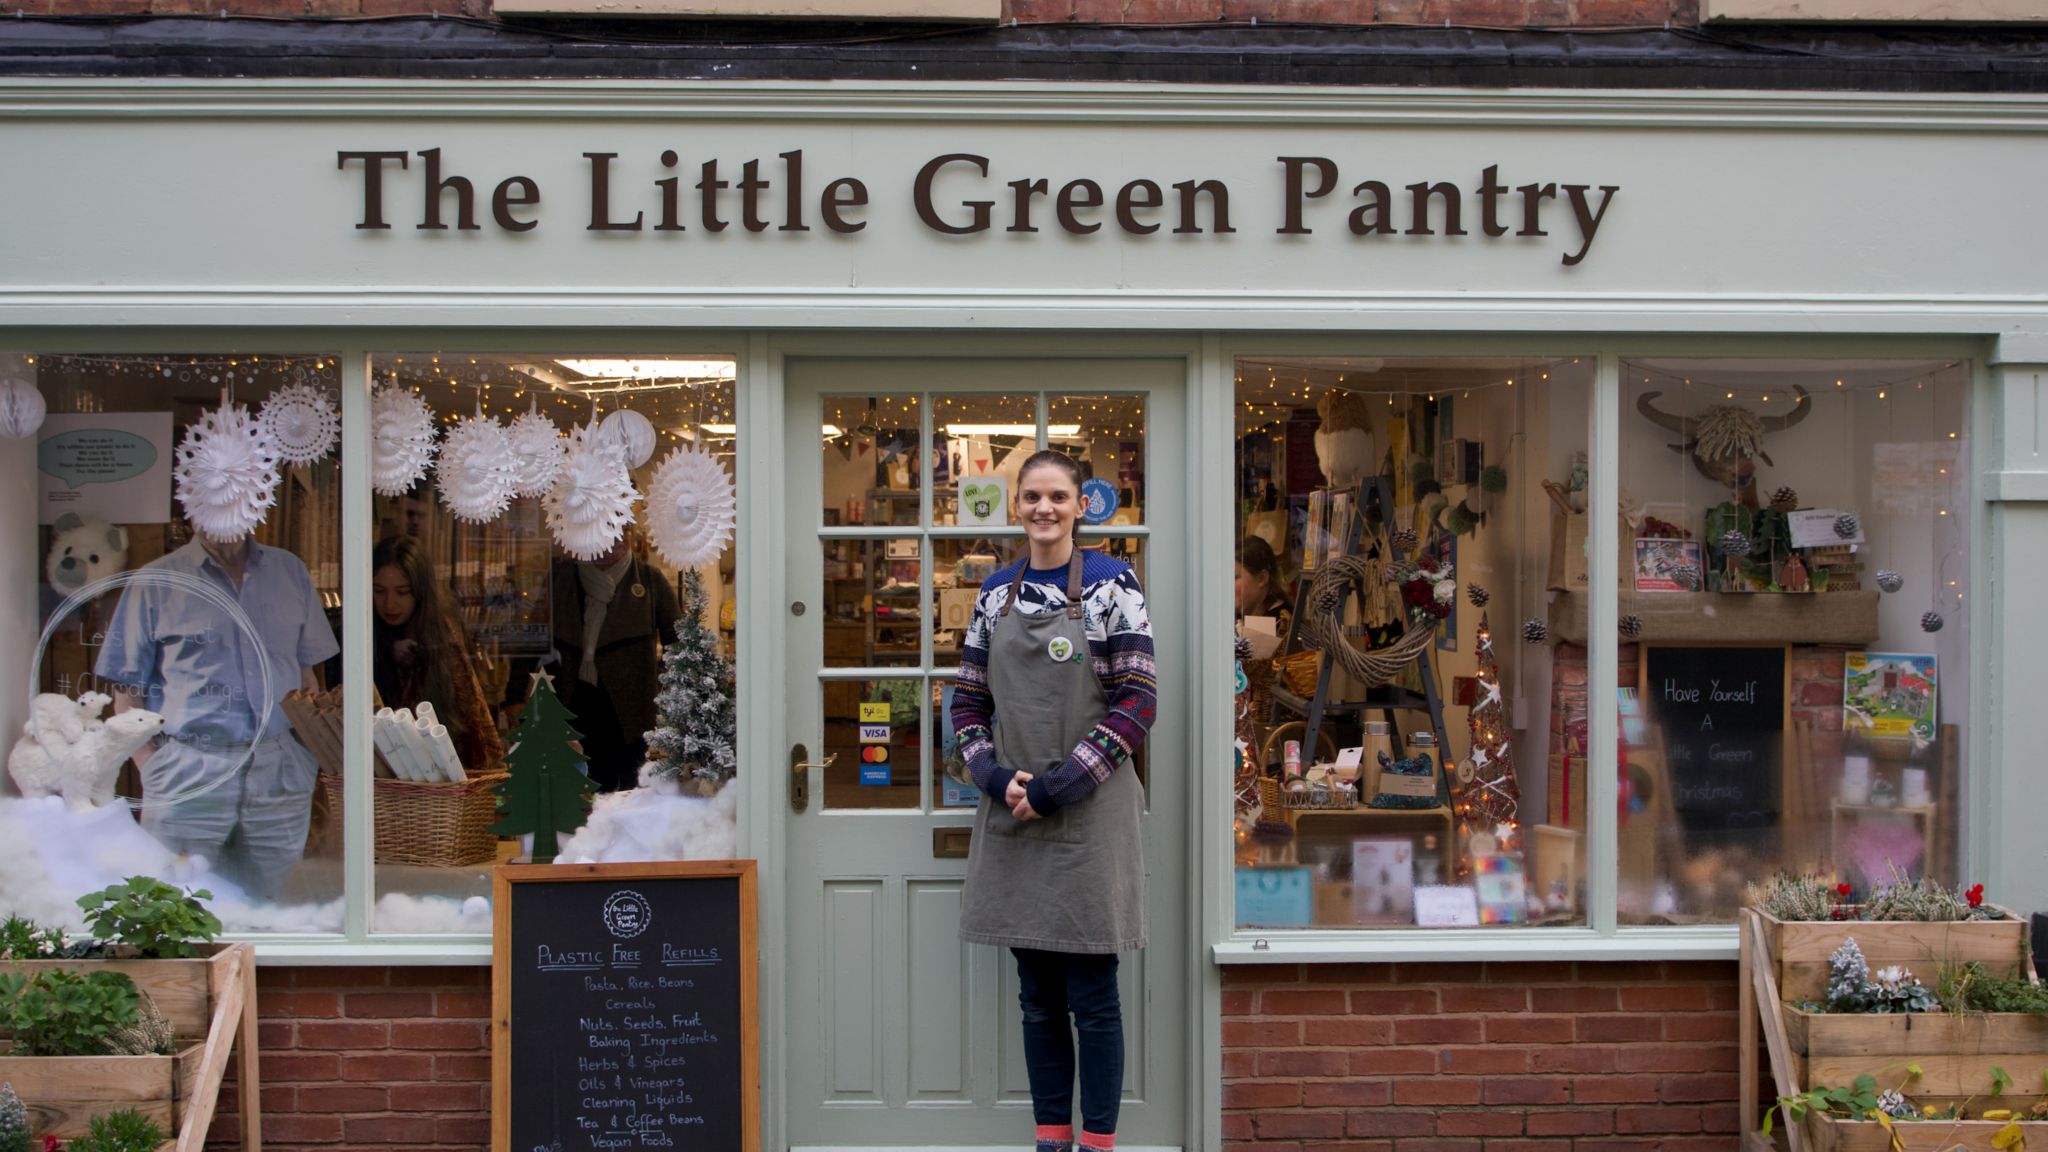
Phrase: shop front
pixel 1663 464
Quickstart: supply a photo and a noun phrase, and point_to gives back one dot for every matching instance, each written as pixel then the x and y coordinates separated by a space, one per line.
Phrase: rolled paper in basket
pixel 419 748
pixel 382 734
pixel 423 712
pixel 445 759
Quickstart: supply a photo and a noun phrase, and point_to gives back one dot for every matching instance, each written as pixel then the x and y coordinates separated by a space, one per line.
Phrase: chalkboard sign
pixel 1724 713
pixel 624 1008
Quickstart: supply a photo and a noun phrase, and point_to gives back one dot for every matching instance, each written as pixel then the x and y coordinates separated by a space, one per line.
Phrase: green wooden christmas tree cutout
pixel 544 792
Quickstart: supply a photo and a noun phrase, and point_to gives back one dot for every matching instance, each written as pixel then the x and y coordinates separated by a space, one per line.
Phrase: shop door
pixel 899 1034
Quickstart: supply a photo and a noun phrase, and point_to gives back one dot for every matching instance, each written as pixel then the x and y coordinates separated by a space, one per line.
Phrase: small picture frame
pixel 1668 565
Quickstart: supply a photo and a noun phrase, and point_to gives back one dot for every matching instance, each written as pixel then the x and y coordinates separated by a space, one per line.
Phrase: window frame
pixel 1602 937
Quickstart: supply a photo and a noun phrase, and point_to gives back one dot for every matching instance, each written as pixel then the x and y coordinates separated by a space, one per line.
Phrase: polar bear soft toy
pixel 60 718
pixel 82 771
pixel 82 551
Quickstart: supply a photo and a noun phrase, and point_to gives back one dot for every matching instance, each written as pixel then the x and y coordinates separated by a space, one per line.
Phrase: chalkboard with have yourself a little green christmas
pixel 1723 713
pixel 625 1007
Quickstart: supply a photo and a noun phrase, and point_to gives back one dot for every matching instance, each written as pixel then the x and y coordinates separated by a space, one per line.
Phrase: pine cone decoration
pixel 1244 647
pixel 1535 631
pixel 1784 499
pixel 1404 539
pixel 1477 594
pixel 1630 626
pixel 1329 600
pixel 1889 580
pixel 1734 543
pixel 1846 526
pixel 1931 622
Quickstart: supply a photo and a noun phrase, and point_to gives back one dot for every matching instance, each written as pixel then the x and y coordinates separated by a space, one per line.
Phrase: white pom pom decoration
pixel 631 433
pixel 592 502
pixel 21 409
pixel 537 450
pixel 476 471
pixel 302 421
pixel 402 440
pixel 690 508
pixel 226 472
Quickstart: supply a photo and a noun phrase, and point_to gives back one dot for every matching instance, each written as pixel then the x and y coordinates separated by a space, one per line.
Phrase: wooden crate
pixel 1955 1054
pixel 1827 1134
pixel 1799 950
pixel 179 987
pixel 64 1093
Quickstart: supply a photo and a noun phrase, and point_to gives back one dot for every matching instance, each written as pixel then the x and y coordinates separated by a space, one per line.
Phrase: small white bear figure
pixel 82 771
pixel 62 718
pixel 82 551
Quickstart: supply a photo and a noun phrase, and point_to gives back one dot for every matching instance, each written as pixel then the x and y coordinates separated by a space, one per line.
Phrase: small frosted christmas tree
pixel 545 792
pixel 14 1133
pixel 1491 798
pixel 693 742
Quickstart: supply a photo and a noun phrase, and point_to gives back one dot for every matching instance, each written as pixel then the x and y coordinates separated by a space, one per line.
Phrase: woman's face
pixel 392 594
pixel 1251 591
pixel 1048 504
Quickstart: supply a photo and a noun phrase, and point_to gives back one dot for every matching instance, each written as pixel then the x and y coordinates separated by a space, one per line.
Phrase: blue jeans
pixel 1052 988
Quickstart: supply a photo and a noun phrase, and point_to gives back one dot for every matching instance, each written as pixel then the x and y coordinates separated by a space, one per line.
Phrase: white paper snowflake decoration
pixel 303 422
pixel 592 501
pixel 21 409
pixel 226 472
pixel 476 471
pixel 402 440
pixel 631 433
pixel 690 508
pixel 537 450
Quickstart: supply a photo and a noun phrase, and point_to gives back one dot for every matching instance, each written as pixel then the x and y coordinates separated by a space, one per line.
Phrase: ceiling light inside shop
pixel 652 369
pixel 826 430
pixel 1011 430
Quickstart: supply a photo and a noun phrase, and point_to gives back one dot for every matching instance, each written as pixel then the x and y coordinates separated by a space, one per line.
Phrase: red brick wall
pixel 1486 13
pixel 370 1058
pixel 1535 1057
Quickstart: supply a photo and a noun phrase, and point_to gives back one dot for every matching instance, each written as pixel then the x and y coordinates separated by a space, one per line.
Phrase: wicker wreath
pixel 1325 631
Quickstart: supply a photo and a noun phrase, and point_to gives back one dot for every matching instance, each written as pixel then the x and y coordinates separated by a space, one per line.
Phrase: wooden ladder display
pixel 1388 699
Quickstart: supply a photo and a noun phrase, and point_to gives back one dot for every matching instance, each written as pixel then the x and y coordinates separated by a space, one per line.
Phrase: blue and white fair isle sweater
pixel 1119 634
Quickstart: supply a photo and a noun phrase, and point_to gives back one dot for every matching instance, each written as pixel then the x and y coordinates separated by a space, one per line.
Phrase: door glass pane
pixel 980 443
pixel 871 450
pixel 872 728
pixel 1106 433
pixel 871 602
pixel 958 568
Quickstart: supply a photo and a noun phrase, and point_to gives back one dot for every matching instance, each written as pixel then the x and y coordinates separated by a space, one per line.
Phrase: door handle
pixel 800 765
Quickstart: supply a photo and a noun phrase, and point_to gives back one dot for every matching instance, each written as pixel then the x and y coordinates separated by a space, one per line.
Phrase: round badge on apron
pixel 1060 649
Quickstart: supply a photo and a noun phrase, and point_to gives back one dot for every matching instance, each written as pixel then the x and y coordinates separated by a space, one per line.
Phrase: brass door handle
pixel 800 765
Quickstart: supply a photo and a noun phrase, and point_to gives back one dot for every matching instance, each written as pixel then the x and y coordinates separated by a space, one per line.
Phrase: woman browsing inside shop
pixel 1057 689
pixel 419 654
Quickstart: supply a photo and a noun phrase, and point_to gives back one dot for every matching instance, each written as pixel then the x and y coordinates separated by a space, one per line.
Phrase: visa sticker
pixel 874 733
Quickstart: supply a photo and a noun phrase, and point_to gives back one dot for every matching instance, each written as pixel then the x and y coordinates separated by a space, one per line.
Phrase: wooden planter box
pixel 1827 1134
pixel 1955 1053
pixel 1799 950
pixel 210 1002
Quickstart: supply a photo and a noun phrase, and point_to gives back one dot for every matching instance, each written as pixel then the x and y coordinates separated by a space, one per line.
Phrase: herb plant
pixel 1788 897
pixel 123 1131
pixel 24 939
pixel 156 919
pixel 59 1013
pixel 1970 987
pixel 150 1035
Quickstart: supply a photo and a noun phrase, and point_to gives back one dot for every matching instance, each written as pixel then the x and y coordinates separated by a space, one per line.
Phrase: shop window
pixel 185 510
pixel 486 583
pixel 1794 680
pixel 1397 530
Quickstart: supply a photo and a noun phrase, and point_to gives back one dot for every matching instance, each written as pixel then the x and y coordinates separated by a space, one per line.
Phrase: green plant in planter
pixel 58 1013
pixel 158 920
pixel 14 1134
pixel 123 1131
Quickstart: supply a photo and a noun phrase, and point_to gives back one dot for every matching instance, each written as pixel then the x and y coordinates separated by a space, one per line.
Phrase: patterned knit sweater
pixel 1119 634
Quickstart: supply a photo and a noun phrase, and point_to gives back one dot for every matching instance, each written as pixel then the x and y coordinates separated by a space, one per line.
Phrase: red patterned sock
pixel 1096 1140
pixel 1055 1136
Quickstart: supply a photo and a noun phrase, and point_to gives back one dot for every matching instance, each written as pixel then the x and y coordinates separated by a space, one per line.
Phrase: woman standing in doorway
pixel 1057 689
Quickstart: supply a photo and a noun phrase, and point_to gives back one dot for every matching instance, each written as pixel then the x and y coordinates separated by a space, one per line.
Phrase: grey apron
pixel 1073 881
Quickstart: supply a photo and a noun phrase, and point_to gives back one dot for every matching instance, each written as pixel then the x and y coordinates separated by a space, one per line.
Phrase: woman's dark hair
pixel 1255 556
pixel 435 657
pixel 1053 458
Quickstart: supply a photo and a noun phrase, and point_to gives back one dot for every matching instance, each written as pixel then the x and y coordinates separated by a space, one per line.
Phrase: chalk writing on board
pixel 1721 711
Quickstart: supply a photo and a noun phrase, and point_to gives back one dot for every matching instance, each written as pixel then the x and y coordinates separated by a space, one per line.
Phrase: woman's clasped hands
pixel 1018 800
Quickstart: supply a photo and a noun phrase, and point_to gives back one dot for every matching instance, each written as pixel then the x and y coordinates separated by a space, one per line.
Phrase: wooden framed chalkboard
pixel 1725 714
pixel 624 1008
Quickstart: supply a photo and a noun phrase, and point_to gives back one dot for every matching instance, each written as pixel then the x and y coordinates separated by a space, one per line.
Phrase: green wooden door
pixel 900 1035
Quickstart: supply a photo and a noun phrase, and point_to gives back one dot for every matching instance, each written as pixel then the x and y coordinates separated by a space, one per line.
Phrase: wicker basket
pixel 440 825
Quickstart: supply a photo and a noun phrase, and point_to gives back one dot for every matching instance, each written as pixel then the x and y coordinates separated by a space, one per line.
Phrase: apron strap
pixel 1073 584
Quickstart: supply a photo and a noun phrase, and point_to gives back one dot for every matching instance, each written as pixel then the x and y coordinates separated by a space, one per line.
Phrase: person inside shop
pixel 1261 590
pixel 419 654
pixel 611 617
pixel 220 781
pixel 1057 690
